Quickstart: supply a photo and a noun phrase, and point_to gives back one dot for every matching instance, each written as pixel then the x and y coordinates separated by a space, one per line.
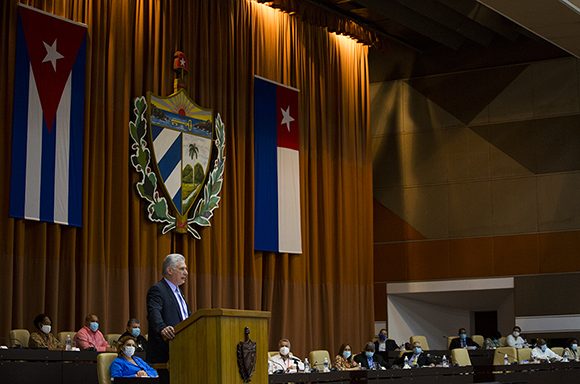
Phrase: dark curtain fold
pixel 318 299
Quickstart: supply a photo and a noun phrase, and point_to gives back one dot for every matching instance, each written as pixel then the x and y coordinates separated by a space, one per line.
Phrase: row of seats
pixel 460 356
pixel 20 337
pixel 479 339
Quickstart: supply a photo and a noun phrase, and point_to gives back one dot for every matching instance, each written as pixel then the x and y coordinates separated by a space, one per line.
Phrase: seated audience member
pixel 493 341
pixel 89 337
pixel 543 354
pixel 134 329
pixel 128 365
pixel 463 341
pixel 514 339
pixel 43 338
pixel 369 359
pixel 383 345
pixel 416 358
pixel 572 350
pixel 344 361
pixel 284 361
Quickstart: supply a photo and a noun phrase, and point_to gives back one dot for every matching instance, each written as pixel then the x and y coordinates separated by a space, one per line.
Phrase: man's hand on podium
pixel 168 333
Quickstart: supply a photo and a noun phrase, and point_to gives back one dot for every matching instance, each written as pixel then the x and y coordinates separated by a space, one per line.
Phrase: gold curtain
pixel 318 299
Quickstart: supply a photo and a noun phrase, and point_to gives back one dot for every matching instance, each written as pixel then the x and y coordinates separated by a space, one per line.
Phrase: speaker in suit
pixel 166 307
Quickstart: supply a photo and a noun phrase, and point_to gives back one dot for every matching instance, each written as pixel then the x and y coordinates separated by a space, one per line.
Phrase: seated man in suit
pixel 416 358
pixel 383 345
pixel 134 330
pixel 463 341
pixel 284 361
pixel 369 359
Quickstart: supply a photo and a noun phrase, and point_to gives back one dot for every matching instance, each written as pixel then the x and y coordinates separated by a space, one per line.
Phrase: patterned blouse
pixel 42 340
pixel 340 363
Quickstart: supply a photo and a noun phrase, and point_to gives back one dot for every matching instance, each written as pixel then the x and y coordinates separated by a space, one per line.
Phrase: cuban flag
pixel 48 119
pixel 276 168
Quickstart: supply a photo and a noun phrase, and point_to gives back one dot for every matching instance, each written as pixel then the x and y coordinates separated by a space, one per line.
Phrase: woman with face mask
pixel 127 364
pixel 572 350
pixel 43 337
pixel 344 361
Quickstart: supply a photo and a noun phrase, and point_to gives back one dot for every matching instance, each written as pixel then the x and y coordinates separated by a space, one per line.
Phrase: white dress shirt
pixel 547 355
pixel 515 342
pixel 288 364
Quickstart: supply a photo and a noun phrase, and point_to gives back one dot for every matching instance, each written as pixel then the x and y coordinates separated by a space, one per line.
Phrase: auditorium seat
pixel 104 361
pixel 502 342
pixel 422 340
pixel 62 336
pixel 558 350
pixel 479 339
pixel 272 353
pixel 524 354
pixel 460 357
pixel 501 351
pixel 112 339
pixel 449 339
pixel 316 359
pixel 19 338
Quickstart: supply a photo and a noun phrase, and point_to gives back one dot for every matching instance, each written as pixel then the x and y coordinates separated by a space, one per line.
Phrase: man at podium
pixel 166 307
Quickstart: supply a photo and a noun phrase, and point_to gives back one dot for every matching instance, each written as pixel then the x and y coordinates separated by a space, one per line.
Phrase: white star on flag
pixel 286 118
pixel 52 54
pixel 182 62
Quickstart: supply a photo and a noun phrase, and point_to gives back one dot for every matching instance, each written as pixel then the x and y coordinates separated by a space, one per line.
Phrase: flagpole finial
pixel 180 68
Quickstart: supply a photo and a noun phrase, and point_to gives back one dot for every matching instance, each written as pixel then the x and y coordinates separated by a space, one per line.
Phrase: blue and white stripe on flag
pixel 48 121
pixel 277 225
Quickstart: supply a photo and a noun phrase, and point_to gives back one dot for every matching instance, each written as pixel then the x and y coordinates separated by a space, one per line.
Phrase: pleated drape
pixel 318 299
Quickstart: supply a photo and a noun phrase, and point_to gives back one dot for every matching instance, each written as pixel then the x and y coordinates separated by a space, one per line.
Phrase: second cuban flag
pixel 276 168
pixel 48 125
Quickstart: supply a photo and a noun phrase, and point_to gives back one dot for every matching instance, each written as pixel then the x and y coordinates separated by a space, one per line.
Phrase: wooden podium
pixel 205 346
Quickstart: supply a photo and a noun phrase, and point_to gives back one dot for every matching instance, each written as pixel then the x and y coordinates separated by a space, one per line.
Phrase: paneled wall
pixel 477 173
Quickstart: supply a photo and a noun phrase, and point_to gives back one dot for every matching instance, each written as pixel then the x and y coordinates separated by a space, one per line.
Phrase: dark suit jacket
pixel 423 359
pixel 361 359
pixel 391 346
pixel 162 311
pixel 456 343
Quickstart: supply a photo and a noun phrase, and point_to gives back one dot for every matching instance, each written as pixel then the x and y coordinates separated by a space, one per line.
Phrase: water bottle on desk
pixel 325 364
pixel 444 362
pixel 406 363
pixel 306 365
pixel 68 343
pixel 506 360
pixel 565 357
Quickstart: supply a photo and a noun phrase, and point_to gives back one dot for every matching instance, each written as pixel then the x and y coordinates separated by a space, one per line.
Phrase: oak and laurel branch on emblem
pixel 158 209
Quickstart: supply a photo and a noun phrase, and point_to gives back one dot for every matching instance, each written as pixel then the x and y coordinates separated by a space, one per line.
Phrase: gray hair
pixel 170 261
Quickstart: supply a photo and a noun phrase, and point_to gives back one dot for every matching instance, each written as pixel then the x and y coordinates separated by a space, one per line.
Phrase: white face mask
pixel 516 333
pixel 46 329
pixel 284 351
pixel 129 350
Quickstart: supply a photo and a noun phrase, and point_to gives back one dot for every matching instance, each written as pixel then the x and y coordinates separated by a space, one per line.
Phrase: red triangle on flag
pixel 53 45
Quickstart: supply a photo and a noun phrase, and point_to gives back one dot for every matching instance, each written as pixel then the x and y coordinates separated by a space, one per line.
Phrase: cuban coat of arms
pixel 174 142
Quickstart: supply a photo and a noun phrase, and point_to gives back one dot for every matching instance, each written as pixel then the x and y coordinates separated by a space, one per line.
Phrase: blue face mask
pixel 93 325
pixel 574 346
pixel 346 354
pixel 135 332
pixel 382 338
pixel 418 350
pixel 369 354
pixel 463 336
